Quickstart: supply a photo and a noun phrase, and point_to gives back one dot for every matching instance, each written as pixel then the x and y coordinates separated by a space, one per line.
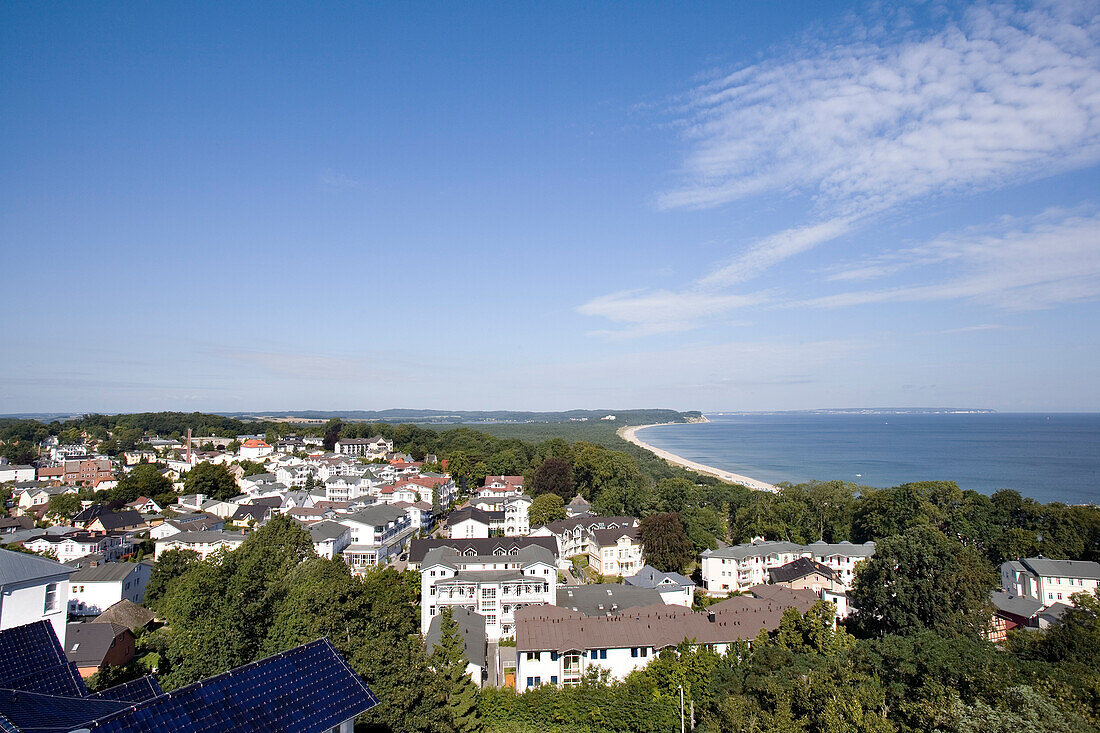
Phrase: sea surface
pixel 1053 457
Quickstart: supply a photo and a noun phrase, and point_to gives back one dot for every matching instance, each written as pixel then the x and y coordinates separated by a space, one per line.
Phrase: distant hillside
pixel 486 417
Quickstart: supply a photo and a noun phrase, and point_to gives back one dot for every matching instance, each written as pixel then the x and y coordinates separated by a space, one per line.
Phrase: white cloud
pixel 1039 265
pixel 999 96
pixel 994 98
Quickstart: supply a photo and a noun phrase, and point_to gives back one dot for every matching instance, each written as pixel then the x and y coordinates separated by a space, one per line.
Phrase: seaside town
pixel 540 591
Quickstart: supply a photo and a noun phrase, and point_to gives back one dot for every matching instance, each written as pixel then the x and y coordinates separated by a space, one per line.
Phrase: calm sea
pixel 1047 457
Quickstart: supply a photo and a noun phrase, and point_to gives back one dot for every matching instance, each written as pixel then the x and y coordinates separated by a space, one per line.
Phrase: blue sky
pixel 546 206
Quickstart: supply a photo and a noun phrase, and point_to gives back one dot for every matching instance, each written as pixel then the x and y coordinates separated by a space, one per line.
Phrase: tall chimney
pixel 188 446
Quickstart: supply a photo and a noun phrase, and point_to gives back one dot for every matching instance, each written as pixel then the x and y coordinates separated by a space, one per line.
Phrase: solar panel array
pixel 31 659
pixel 139 690
pixel 309 688
pixel 31 711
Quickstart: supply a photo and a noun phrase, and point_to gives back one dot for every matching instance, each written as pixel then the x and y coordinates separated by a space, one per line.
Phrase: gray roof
pixel 800 568
pixel 817 549
pixel 1016 605
pixel 1062 568
pixel 88 644
pixel 605 599
pixel 483 546
pixel 471 512
pixel 204 536
pixel 19 567
pixel 326 530
pixel 1053 613
pixel 651 577
pixel 449 557
pixel 590 522
pixel 471 627
pixel 376 515
pixel 108 572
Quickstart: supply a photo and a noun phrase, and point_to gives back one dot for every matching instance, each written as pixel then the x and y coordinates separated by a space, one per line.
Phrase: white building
pixel 739 567
pixel 33 589
pixel 616 551
pixel 556 646
pixel 329 538
pixel 471 523
pixel 75 545
pixel 501 486
pixel 674 589
pixel 574 535
pixel 203 542
pixel 1049 581
pixel 92 590
pixel 370 448
pixel 10 473
pixel 378 534
pixel 254 449
pixel 494 586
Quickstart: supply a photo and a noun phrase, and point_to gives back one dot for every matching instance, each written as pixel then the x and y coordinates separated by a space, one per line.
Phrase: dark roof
pixel 139 690
pixel 326 530
pixel 32 660
pixel 125 613
pixel 651 577
pixel 251 511
pixel 374 515
pixel 471 627
pixel 589 521
pixel 481 546
pixel 87 644
pixel 19 567
pixel 116 520
pixel 470 512
pixel 1020 606
pixel 1053 613
pixel 1062 568
pixel 605 599
pixel 104 573
pixel 800 568
pixel 613 534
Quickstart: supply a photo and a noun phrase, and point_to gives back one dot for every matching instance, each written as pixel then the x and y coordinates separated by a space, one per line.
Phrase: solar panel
pixel 309 688
pixel 139 690
pixel 31 659
pixel 31 711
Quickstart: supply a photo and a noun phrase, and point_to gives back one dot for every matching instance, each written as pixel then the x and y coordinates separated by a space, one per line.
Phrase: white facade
pixel 743 566
pixel 493 586
pixel 93 590
pixel 33 589
pixel 204 543
pixel 252 450
pixel 73 547
pixel 1049 581
pixel 468 528
pixel 370 448
pixel 11 473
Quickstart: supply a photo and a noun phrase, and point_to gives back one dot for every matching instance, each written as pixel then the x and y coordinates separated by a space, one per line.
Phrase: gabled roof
pixel 482 546
pixel 20 567
pixel 1047 568
pixel 800 568
pixel 125 613
pixel 116 520
pixel 471 627
pixel 374 515
pixel 611 535
pixel 651 577
pixel 106 573
pixel 1021 606
pixel 87 644
pixel 605 599
pixel 32 660
pixel 326 531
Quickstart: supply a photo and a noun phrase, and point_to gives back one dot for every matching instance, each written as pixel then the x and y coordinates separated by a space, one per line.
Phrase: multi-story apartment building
pixel 574 535
pixel 378 534
pixel 494 586
pixel 376 447
pixel 204 542
pixel 740 567
pixel 616 551
pixel 1049 581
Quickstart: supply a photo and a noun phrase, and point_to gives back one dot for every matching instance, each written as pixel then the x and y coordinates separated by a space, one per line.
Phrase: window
pixel 488 592
pixel 530 681
pixel 51 598
pixel 553 679
pixel 491 619
pixel 553 656
pixel 532 656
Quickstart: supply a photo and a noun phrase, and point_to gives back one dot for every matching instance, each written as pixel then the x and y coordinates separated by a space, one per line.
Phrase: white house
pixel 616 551
pixel 75 545
pixel 329 538
pixel 254 449
pixel 33 589
pixel 203 542
pixel 494 586
pixel 574 535
pixel 674 589
pixel 92 590
pixel 349 488
pixel 471 522
pixel 556 646
pixel 739 567
pixel 10 473
pixel 502 486
pixel 186 523
pixel 378 534
pixel 471 628
pixel 371 448
pixel 1049 581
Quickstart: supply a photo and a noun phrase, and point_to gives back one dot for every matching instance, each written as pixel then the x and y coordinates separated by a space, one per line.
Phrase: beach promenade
pixel 629 434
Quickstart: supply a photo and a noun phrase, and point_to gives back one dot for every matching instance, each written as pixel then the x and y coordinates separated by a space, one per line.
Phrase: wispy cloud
pixel 996 97
pixel 336 179
pixel 1035 265
pixel 661 311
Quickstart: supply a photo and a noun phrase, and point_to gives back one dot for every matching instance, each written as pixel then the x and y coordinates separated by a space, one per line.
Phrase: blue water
pixel 1047 457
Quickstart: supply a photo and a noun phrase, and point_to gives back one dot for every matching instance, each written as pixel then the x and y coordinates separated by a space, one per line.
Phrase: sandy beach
pixel 629 434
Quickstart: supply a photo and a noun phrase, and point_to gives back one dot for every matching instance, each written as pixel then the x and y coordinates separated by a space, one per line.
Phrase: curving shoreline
pixel 629 434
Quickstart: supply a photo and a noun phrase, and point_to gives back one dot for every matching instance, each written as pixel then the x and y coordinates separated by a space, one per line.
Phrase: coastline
pixel 629 434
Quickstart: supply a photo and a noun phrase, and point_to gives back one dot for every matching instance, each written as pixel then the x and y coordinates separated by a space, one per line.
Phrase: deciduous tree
pixel 667 547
